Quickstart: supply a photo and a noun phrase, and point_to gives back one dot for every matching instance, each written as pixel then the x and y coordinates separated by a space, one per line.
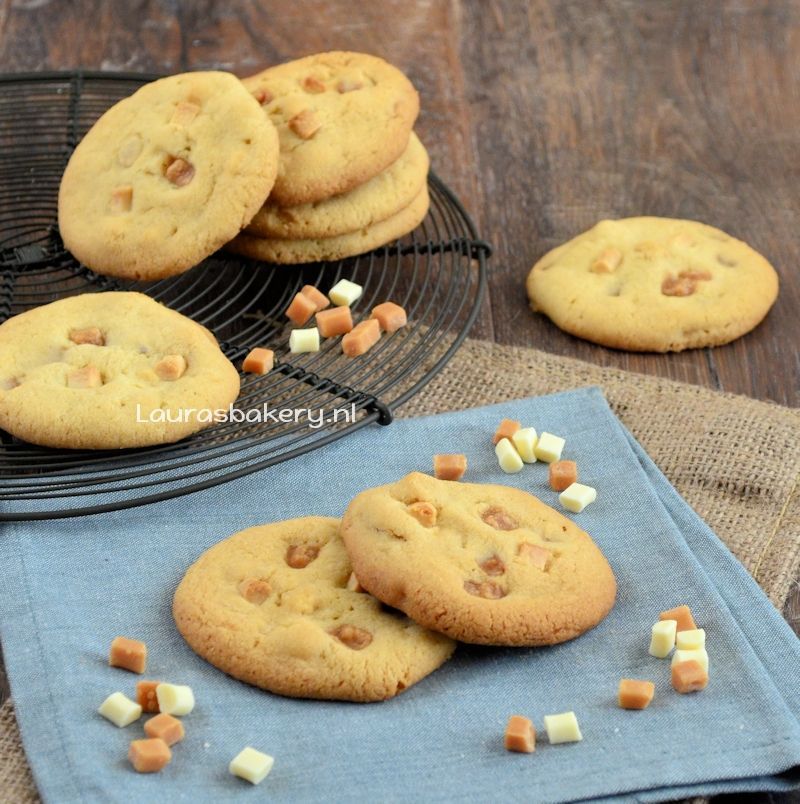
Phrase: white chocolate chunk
pixel 663 639
pixel 549 447
pixel 175 699
pixel 120 709
pixel 304 340
pixel 562 728
pixel 251 765
pixel 577 496
pixel 700 655
pixel 508 457
pixel 525 441
pixel 344 293
pixel 695 639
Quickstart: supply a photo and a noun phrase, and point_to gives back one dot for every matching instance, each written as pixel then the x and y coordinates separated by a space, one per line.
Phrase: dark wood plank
pixel 589 110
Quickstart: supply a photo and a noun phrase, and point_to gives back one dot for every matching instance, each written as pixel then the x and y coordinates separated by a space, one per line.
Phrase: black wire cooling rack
pixel 438 273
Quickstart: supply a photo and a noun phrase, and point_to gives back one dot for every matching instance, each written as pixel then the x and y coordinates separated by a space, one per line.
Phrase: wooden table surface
pixel 544 117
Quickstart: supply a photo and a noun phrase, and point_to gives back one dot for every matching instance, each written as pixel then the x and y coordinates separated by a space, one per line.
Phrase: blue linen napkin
pixel 70 586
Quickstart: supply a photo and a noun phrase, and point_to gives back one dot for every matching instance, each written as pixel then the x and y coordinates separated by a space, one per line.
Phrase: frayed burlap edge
pixel 735 460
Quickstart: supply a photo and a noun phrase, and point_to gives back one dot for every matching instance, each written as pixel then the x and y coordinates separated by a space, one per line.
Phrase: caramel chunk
pixel 255 590
pixel 121 200
pixel 424 512
pixel 184 113
pixel 129 654
pixel 305 124
pixel 534 554
pixel 91 335
pixel 171 367
pixel 333 322
pixel 493 565
pixel 487 589
pixel 86 377
pixel 682 615
pixel 635 694
pixel 348 85
pixel 313 84
pixel 321 301
pixel 677 286
pixel 505 429
pixel 520 735
pixel 263 96
pixel 179 171
pixel 449 467
pixel 689 676
pixel 499 519
pixel 353 637
pixel 361 338
pixel 608 261
pixel 146 696
pixel 301 309
pixel 353 584
pixel 165 727
pixel 562 474
pixel 390 316
pixel 259 361
pixel 149 756
pixel 299 556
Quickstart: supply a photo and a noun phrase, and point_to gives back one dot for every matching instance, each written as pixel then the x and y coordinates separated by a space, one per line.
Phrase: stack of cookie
pixel 320 150
pixel 295 606
pixel 352 174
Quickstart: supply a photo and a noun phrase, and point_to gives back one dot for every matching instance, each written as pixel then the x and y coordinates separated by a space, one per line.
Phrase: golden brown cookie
pixel 378 199
pixel 294 252
pixel 271 606
pixel 167 176
pixel 653 284
pixel 479 563
pixel 109 371
pixel 341 117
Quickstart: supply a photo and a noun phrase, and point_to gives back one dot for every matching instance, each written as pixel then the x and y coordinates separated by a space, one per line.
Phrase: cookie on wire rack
pixel 167 176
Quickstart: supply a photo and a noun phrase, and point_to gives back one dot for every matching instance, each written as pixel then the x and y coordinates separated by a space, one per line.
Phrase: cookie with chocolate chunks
pixel 342 118
pixel 480 563
pixel 275 606
pixel 167 176
pixel 110 371
pixel 653 285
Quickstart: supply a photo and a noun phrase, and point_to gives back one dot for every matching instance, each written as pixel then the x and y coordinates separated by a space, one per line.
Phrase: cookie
pixel 376 200
pixel 341 117
pixel 109 371
pixel 653 285
pixel 167 176
pixel 480 563
pixel 292 252
pixel 271 606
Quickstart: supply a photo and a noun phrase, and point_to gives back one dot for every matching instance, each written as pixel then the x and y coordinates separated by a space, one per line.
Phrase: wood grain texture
pixel 543 116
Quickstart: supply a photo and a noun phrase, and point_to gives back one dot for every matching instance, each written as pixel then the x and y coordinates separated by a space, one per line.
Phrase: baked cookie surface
pixel 102 370
pixel 480 563
pixel 342 118
pixel 653 284
pixel 270 606
pixel 378 199
pixel 295 252
pixel 167 176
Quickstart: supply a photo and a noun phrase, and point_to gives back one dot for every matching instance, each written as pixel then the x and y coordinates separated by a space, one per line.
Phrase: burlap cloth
pixel 735 460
